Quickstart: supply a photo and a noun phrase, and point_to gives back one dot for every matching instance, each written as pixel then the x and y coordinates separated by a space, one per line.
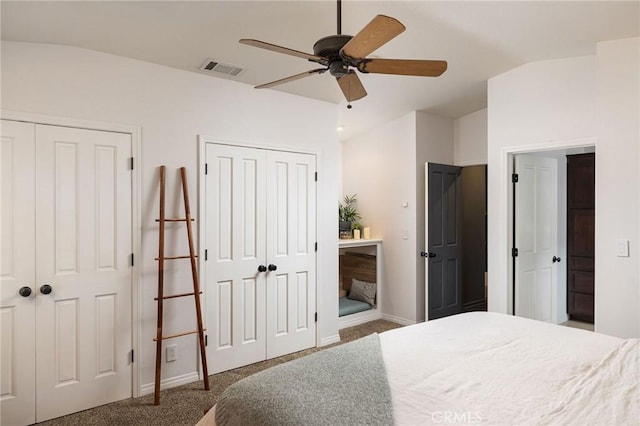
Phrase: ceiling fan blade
pixel 291 78
pixel 403 67
pixel 352 87
pixel 285 50
pixel 379 31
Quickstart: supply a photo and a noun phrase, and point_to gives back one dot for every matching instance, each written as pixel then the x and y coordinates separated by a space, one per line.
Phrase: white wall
pixel 617 307
pixel 172 108
pixel 386 167
pixel 542 105
pixel 532 107
pixel 470 139
pixel 379 166
pixel 434 144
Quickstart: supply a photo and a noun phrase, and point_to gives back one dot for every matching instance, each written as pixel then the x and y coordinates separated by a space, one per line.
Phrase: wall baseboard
pixel 359 318
pixel 329 340
pixel 170 382
pixel 397 320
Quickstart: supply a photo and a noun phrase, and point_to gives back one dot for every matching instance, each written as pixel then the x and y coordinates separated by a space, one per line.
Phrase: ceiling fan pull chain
pixel 349 101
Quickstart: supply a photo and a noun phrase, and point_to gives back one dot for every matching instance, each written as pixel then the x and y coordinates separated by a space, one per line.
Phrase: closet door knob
pixel 25 291
pixel 431 254
pixel 46 289
pixel 556 259
pixel 272 267
pixel 262 268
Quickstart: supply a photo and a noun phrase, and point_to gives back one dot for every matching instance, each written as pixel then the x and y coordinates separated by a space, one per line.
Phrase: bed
pixel 473 368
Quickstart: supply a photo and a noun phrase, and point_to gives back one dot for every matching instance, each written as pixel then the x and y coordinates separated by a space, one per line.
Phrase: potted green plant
pixel 348 214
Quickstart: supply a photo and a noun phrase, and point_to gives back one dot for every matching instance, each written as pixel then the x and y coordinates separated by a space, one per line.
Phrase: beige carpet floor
pixel 185 405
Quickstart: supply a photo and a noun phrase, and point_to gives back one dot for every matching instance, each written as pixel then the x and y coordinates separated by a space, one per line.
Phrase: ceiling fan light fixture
pixel 338 68
pixel 343 54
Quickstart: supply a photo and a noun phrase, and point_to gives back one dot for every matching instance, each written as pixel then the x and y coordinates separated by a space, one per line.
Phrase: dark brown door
pixel 580 235
pixel 444 248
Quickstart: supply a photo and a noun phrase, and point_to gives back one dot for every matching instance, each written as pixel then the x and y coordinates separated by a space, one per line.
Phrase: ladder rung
pixel 175 220
pixel 177 295
pixel 176 257
pixel 186 333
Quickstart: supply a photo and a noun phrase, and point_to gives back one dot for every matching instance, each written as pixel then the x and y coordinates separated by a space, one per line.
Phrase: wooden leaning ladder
pixel 196 287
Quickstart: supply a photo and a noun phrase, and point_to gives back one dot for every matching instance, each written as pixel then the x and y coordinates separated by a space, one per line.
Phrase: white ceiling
pixel 479 40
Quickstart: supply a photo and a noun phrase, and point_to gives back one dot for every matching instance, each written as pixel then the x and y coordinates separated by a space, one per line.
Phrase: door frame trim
pixel 203 140
pixel 136 210
pixel 500 299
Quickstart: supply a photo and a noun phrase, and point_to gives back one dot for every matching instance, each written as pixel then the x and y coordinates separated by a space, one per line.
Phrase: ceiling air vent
pixel 218 67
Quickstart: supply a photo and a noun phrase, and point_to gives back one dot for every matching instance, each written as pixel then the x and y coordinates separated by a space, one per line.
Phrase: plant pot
pixel 344 230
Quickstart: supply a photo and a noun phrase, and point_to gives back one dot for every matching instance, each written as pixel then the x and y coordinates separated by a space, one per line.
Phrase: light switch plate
pixel 622 248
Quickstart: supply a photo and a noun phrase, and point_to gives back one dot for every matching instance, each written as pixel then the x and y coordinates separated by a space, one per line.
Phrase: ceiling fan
pixel 340 54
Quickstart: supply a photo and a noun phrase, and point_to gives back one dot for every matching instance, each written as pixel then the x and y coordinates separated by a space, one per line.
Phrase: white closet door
pixel 260 232
pixel 235 188
pixel 83 231
pixel 536 210
pixel 17 313
pixel 291 238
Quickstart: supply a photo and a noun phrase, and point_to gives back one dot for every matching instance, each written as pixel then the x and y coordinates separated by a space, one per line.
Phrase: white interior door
pixel 79 311
pixel 17 313
pixel 235 219
pixel 259 215
pixel 536 223
pixel 83 231
pixel 291 237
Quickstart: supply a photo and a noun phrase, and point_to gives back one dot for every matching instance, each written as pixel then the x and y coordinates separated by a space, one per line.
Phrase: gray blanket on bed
pixel 345 385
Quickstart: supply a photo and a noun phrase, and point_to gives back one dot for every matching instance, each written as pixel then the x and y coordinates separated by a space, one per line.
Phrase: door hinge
pixel 514 252
pixel 132 357
pixel 206 339
pixel 316 246
pixel 316 317
pixel 316 176
pixel 206 254
pixel 131 163
pixel 514 178
pixel 206 168
pixel 132 263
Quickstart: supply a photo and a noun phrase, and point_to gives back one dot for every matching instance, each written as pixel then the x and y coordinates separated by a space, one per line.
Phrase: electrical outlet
pixel 171 353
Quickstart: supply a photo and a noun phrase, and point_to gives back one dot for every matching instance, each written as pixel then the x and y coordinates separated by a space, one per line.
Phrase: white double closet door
pixel 260 237
pixel 66 224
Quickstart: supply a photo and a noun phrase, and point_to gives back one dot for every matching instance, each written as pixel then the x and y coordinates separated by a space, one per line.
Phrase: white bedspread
pixel 484 368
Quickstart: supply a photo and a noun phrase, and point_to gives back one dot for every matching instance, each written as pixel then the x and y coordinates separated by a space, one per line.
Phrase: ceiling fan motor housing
pixel 329 48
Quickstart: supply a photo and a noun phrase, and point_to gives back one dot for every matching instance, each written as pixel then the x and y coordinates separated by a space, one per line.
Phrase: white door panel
pixel 536 236
pixel 83 225
pixel 235 235
pixel 17 313
pixel 259 211
pixel 291 237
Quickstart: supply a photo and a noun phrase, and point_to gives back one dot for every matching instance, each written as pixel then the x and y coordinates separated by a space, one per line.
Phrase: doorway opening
pixel 456 240
pixel 551 236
